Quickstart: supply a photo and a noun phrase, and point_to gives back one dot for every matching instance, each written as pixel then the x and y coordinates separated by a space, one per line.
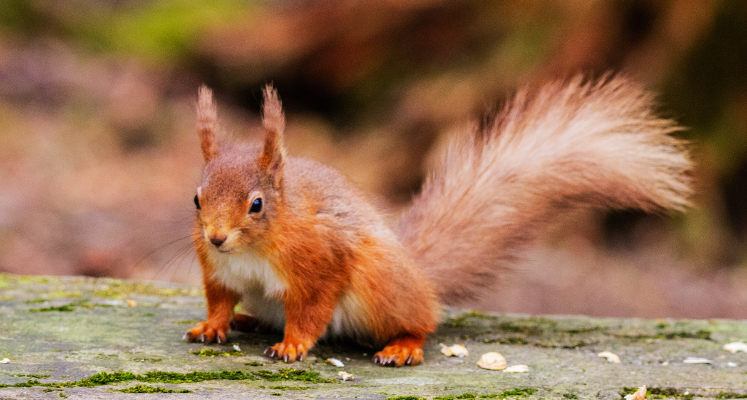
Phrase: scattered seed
pixel 456 350
pixel 492 360
pixel 517 369
pixel 640 394
pixel 697 360
pixel 611 357
pixel 736 347
pixel 345 376
pixel 335 362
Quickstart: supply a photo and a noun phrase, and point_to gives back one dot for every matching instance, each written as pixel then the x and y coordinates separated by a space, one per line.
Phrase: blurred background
pixel 99 158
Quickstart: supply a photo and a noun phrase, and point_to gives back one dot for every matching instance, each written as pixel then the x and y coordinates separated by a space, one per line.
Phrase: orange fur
pixel 303 251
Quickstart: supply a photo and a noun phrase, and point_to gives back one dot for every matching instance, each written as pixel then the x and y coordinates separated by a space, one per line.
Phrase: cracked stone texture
pixel 137 327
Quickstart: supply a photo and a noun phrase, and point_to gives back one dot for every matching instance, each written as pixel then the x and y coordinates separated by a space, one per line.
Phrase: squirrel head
pixel 241 192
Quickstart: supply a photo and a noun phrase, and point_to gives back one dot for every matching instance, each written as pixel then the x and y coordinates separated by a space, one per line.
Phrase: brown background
pixel 99 158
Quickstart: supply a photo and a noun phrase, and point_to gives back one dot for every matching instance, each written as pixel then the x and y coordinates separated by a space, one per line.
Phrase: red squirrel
pixel 303 251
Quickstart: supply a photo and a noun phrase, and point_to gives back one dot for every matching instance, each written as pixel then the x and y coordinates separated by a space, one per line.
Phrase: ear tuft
pixel 273 154
pixel 207 123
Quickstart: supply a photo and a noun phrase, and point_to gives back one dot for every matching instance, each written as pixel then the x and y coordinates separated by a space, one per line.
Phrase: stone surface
pixel 57 332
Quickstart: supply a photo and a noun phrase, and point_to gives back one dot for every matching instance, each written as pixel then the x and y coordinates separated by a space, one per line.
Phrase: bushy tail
pixel 579 144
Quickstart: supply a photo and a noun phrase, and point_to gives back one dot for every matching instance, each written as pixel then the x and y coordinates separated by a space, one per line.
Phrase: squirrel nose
pixel 217 240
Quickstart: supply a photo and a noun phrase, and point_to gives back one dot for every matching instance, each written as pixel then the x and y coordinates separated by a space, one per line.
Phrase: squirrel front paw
pixel 288 351
pixel 207 332
pixel 405 350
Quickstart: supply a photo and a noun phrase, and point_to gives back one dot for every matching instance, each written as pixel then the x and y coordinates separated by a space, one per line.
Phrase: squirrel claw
pixel 288 352
pixel 402 351
pixel 270 352
pixel 206 334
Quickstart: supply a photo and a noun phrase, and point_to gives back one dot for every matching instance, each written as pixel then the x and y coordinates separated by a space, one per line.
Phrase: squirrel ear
pixel 273 154
pixel 207 123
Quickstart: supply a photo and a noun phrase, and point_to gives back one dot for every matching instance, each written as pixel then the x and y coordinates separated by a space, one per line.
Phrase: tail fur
pixel 580 144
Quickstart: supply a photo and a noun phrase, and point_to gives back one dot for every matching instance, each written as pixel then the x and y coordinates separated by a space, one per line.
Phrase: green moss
pixel 150 389
pixel 529 326
pixel 519 341
pixel 35 376
pixel 704 334
pixel 405 398
pixel 659 393
pixel 555 345
pixel 7 279
pixel 290 374
pixel 289 387
pixel 699 334
pixel 518 392
pixel 147 359
pixel 33 279
pixel 730 395
pixel 216 353
pixel 63 308
pixel 569 395
pixel 106 378
pixel 193 377
pixel 461 320
pixel 29 383
pixel 575 331
pixel 276 394
pixel 254 364
pixel 511 392
pixel 120 290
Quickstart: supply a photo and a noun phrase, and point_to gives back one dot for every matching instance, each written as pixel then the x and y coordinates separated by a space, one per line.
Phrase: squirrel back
pixel 593 144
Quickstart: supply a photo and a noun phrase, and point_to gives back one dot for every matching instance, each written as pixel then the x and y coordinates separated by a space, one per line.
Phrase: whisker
pixel 170 267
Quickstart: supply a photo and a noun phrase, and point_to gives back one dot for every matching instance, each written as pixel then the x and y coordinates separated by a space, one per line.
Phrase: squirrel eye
pixel 256 206
pixel 197 202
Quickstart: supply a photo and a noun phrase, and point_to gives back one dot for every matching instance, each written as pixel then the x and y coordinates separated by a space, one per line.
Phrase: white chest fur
pixel 243 272
pixel 252 277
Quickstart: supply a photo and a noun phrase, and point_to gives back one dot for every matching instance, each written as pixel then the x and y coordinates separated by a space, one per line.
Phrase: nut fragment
pixel 514 369
pixel 335 362
pixel 696 360
pixel 345 376
pixel 640 394
pixel 456 350
pixel 492 360
pixel 4 361
pixel 735 347
pixel 611 357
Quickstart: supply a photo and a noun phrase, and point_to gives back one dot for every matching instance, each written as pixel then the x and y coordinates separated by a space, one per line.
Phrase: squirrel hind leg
pixel 402 350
